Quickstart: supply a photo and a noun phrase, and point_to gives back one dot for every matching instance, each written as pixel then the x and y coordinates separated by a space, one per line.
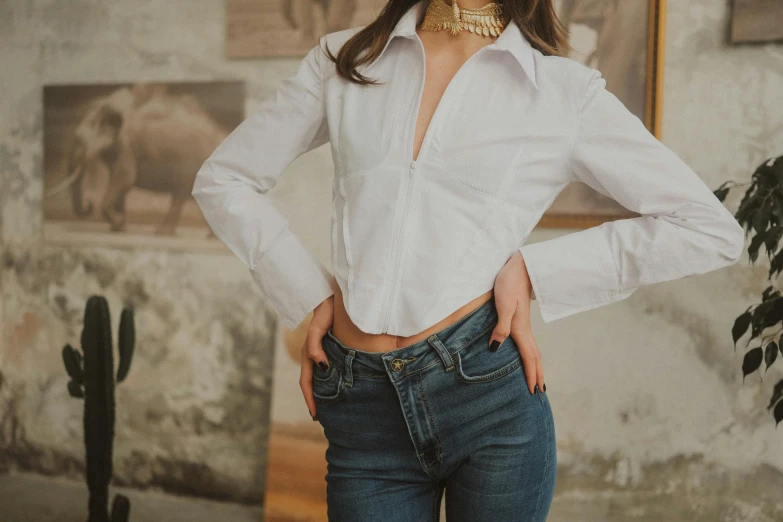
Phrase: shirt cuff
pixel 292 279
pixel 572 273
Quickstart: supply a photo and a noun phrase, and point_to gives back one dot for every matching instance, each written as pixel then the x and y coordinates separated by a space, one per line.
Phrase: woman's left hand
pixel 513 293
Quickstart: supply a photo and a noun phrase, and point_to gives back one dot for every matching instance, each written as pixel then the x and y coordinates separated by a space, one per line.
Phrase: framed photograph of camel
pixel 120 160
pixel 624 40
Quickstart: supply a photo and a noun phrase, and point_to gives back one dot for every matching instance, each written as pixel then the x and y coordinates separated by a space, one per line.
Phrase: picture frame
pixel 579 206
pixel 756 21
pixel 119 161
pixel 289 28
pixel 292 27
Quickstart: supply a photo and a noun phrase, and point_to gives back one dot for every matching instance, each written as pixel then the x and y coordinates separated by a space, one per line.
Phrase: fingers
pixel 540 372
pixel 531 360
pixel 514 320
pixel 306 381
pixel 503 328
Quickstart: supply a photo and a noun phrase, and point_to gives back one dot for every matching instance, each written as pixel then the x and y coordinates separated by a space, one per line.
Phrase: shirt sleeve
pixel 232 184
pixel 683 228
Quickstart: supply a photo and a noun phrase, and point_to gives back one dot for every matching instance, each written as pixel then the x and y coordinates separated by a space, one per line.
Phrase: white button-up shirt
pixel 412 241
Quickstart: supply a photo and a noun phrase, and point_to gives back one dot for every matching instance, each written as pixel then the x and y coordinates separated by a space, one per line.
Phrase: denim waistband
pixel 414 357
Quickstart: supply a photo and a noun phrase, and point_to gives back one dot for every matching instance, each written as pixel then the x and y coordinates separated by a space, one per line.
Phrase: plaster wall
pixel 647 394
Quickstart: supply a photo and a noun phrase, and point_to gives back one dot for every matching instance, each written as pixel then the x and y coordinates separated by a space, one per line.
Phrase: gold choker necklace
pixel 486 20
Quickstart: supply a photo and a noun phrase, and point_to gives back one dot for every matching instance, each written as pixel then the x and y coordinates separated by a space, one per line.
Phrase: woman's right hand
pixel 312 350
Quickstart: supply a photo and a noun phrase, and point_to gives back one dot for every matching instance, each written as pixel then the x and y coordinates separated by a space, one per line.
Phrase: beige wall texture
pixel 650 407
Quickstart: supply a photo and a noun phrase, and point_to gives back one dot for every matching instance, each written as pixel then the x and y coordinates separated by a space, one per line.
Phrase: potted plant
pixel 761 212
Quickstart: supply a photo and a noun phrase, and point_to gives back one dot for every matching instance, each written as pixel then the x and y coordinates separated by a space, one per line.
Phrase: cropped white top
pixel 412 241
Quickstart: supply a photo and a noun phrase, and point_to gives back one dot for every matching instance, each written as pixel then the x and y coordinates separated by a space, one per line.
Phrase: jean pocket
pixel 327 384
pixel 475 363
pixel 323 375
pixel 328 387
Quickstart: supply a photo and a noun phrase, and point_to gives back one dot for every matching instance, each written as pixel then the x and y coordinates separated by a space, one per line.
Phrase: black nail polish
pixel 544 386
pixel 536 389
pixel 493 346
pixel 314 419
pixel 323 365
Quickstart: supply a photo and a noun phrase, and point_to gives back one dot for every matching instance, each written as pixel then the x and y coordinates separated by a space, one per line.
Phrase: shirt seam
pixel 507 172
pixel 537 220
pixel 591 305
pixel 278 239
pixel 321 79
pixel 614 263
pixel 533 275
pixel 321 74
pixel 577 123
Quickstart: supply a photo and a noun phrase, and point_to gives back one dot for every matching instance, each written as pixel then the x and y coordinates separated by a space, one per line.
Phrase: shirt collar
pixel 511 39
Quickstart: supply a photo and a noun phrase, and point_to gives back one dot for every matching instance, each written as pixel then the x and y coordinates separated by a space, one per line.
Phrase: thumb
pixel 502 329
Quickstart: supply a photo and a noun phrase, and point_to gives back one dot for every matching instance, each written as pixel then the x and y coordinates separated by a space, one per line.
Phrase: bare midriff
pixel 350 335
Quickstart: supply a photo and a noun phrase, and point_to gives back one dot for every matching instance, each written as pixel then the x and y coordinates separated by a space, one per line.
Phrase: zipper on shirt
pixel 414 164
pixel 398 241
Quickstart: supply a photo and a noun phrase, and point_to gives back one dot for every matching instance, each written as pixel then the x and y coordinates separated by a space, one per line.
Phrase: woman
pixel 453 126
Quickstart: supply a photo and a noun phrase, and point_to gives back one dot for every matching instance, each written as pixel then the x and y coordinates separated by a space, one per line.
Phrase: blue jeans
pixel 444 412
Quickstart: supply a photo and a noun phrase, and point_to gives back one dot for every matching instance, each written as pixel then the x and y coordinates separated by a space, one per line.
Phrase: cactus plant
pixel 92 379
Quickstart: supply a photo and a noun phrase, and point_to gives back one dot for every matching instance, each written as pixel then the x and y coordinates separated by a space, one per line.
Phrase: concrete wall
pixel 648 395
pixel 193 414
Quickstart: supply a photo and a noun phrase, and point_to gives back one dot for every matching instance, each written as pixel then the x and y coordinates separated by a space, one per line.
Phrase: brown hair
pixel 536 19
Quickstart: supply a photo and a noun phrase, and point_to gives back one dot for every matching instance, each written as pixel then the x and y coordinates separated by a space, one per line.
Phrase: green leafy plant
pixel 92 379
pixel 761 212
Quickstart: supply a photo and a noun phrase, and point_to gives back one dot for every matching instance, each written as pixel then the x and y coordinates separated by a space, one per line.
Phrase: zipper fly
pixel 412 171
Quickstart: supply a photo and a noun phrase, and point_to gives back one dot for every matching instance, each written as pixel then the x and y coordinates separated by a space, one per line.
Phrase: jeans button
pixel 397 364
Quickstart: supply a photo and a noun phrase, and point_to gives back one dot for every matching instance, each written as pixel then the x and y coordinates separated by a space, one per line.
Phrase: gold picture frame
pixel 561 213
pixel 291 27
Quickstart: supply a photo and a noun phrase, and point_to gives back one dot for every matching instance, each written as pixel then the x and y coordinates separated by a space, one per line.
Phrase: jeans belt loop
pixel 445 356
pixel 349 367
